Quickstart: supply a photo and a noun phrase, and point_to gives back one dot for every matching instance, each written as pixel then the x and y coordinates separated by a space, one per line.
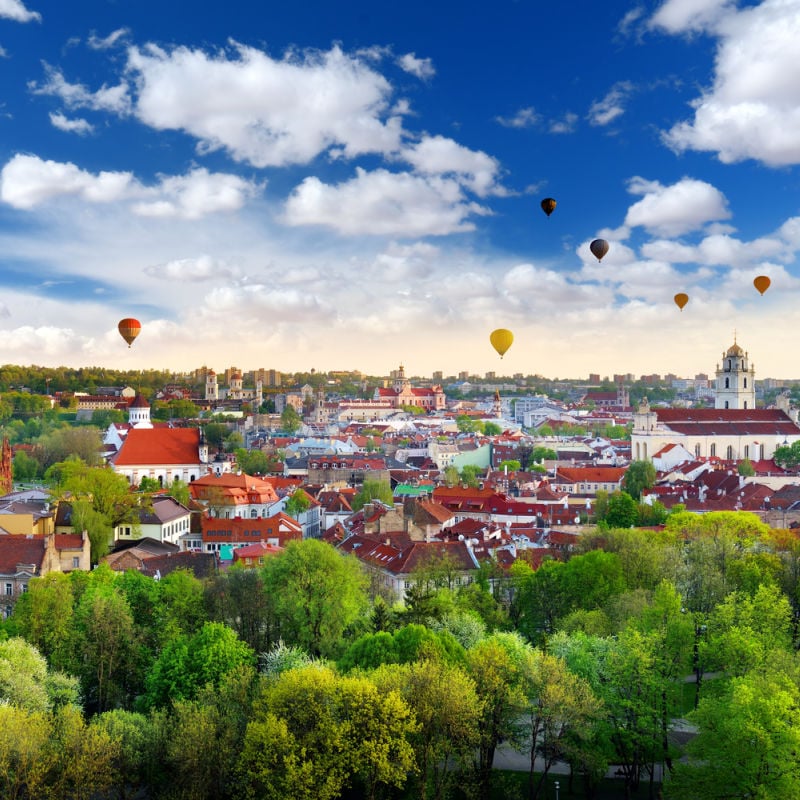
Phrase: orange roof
pixel 159 446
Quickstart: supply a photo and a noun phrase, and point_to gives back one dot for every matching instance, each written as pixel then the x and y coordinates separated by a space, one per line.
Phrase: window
pixel 747 451
pixel 697 451
pixel 9 588
pixel 713 451
pixel 726 404
pixel 727 384
pixel 745 383
pixel 745 403
pixel 729 453
pixel 76 562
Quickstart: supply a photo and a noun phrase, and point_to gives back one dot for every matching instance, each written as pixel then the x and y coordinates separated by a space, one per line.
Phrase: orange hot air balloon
pixel 681 299
pixel 548 205
pixel 599 248
pixel 129 328
pixel 501 340
pixel 762 283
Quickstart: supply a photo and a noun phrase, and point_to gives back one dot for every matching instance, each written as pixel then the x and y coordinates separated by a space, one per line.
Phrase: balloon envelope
pixel 129 328
pixel 681 299
pixel 599 248
pixel 762 283
pixel 501 340
pixel 548 205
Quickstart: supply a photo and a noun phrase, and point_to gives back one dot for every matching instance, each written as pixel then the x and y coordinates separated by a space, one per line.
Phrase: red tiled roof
pixel 159 446
pixel 17 549
pixel 730 421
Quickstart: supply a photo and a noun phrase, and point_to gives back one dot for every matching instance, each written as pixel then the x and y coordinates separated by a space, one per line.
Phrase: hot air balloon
pixel 129 328
pixel 548 205
pixel 681 299
pixel 762 283
pixel 599 248
pixel 501 340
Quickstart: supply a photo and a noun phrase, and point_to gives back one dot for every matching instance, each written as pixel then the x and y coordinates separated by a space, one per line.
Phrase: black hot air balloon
pixel 548 205
pixel 599 248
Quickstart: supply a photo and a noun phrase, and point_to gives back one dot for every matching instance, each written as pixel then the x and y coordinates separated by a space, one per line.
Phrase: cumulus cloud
pixel 28 181
pixel 690 16
pixel 605 111
pixel 74 95
pixel 202 268
pixel 401 263
pixel 264 111
pixel 196 195
pixel 524 118
pixel 752 109
pixel 79 126
pixel 422 68
pixel 677 209
pixel 15 10
pixel 281 304
pixel 383 203
pixel 438 155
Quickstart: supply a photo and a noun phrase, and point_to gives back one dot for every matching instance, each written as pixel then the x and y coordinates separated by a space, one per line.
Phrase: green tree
pixel 252 462
pixel 745 468
pixel 748 743
pixel 623 511
pixel 318 593
pixel 25 467
pixel 372 490
pixel 491 429
pixel 298 503
pixel 511 464
pixel 290 419
pixel 639 476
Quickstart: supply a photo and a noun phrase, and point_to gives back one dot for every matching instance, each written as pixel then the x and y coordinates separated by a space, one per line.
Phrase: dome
pixel 735 351
pixel 139 402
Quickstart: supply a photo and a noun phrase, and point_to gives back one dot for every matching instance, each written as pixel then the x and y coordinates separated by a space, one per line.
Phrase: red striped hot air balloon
pixel 129 328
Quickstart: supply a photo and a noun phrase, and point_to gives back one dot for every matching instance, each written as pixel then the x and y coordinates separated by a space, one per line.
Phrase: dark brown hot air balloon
pixel 762 283
pixel 599 248
pixel 129 328
pixel 548 205
pixel 681 299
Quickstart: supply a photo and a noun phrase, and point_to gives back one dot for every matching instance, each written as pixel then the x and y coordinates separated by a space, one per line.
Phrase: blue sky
pixel 357 185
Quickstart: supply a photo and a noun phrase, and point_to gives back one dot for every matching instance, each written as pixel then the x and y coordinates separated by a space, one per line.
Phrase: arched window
pixel 727 383
pixel 747 449
pixel 697 450
pixel 745 383
pixel 713 451
pixel 726 404
pixel 729 453
pixel 745 403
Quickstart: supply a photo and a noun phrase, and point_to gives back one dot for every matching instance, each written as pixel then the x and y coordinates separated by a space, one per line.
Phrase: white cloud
pixel 677 209
pixel 107 42
pixel 566 124
pixel 438 155
pixel 603 112
pixel 28 181
pixel 15 10
pixel 422 68
pixel 79 126
pixel 202 268
pixel 263 111
pixel 196 195
pixel 752 109
pixel 383 203
pixel 524 118
pixel 74 95
pixel 689 16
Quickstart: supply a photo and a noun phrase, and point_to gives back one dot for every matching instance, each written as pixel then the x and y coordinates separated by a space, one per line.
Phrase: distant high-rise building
pixel 438 376
pixel 594 377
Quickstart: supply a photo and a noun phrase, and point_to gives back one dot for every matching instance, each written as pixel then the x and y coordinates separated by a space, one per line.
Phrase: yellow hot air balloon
pixel 548 205
pixel 681 299
pixel 501 340
pixel 129 328
pixel 599 248
pixel 762 283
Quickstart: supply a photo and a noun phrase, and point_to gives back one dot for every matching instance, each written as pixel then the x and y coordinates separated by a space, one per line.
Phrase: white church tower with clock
pixel 736 380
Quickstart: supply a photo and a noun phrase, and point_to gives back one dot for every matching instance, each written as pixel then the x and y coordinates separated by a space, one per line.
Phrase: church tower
pixel 212 387
pixel 139 413
pixel 736 380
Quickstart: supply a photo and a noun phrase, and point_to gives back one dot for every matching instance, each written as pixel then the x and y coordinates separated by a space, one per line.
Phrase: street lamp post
pixel 557 786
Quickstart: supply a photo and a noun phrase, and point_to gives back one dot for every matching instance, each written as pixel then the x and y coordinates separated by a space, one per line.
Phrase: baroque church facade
pixel 733 430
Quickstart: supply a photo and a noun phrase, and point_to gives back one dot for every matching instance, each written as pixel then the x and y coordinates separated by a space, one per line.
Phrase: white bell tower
pixel 736 380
